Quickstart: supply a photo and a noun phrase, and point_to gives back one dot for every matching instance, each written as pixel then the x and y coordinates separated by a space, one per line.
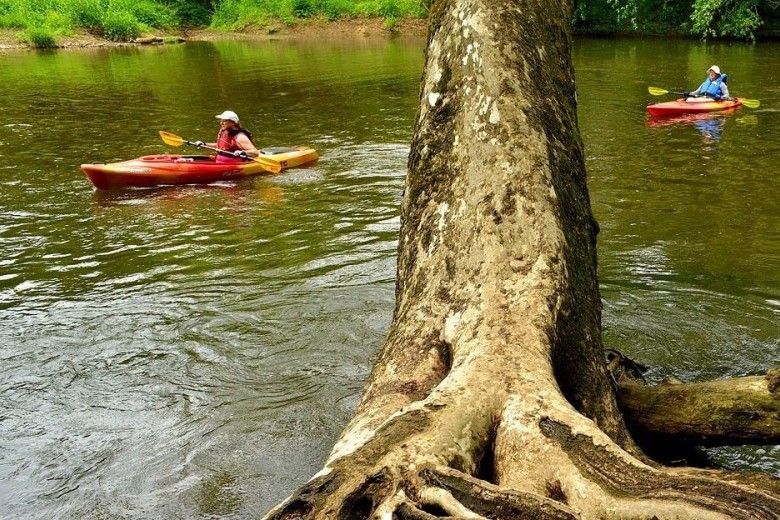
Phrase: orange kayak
pixel 681 106
pixel 157 170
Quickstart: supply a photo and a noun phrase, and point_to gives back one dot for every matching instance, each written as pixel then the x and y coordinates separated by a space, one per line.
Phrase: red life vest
pixel 226 140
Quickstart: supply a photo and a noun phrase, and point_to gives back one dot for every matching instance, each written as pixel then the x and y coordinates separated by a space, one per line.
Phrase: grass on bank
pixel 240 14
pixel 41 22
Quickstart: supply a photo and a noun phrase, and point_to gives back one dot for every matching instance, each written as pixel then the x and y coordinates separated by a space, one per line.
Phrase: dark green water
pixel 193 352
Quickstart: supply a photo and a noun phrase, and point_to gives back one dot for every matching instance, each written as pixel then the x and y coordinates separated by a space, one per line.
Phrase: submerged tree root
pixel 726 412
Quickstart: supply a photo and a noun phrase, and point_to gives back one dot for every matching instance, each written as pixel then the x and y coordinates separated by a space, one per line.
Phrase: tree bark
pixel 490 398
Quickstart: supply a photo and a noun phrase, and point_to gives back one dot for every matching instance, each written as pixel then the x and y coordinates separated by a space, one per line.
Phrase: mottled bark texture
pixel 490 398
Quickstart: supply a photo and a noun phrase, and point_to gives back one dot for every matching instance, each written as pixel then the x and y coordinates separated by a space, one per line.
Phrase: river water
pixel 193 352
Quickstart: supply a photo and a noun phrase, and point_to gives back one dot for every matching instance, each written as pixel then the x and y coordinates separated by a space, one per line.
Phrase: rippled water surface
pixel 192 352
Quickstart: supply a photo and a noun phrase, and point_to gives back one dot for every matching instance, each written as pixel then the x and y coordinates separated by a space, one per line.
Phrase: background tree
pixel 707 18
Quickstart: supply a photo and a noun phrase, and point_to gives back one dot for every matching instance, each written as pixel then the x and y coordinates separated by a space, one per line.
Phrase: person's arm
pixel 700 90
pixel 246 145
pixel 724 91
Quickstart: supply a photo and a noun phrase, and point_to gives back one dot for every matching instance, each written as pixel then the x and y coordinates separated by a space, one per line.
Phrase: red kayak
pixel 157 170
pixel 692 106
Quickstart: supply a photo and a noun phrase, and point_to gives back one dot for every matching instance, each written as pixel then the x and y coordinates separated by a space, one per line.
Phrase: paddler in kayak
pixel 232 138
pixel 714 87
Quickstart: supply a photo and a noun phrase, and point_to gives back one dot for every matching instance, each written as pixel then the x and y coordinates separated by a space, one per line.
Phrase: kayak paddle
pixel 174 140
pixel 655 91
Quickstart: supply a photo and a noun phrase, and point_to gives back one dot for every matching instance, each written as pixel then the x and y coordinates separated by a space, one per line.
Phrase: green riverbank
pixel 53 23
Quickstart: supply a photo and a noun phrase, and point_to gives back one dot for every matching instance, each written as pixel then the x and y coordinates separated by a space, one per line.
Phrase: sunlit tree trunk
pixel 490 397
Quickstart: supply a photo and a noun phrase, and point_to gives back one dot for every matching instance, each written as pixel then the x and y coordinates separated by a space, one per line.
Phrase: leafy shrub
pixel 120 26
pixel 40 37
pixel 303 8
pixel 391 24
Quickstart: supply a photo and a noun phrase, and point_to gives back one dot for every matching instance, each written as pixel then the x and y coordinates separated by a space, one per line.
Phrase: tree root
pixel 701 489
pixel 727 412
pixel 486 500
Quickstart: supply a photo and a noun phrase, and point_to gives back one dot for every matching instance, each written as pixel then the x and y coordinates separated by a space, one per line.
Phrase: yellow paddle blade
pixel 271 165
pixel 655 91
pixel 171 139
pixel 751 103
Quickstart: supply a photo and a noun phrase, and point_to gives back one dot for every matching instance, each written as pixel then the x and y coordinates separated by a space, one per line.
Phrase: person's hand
pixel 241 154
pixel 199 144
pixel 686 94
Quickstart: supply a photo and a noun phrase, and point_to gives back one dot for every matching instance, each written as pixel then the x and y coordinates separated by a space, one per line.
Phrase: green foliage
pixel 87 14
pixel 120 26
pixel 736 18
pixel 644 16
pixel 389 9
pixel 706 18
pixel 304 8
pixel 391 24
pixel 42 20
pixel 127 19
pixel 237 14
pixel 149 13
pixel 190 12
pixel 41 38
pixel 233 14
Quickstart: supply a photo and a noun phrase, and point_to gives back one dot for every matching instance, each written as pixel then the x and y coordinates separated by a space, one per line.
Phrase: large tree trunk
pixel 490 398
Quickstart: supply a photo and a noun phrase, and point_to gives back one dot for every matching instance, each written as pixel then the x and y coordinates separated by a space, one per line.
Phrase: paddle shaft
pixel 213 149
pixel 268 164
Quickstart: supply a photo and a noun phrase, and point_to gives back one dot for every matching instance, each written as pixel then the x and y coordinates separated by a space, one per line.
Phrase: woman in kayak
pixel 714 87
pixel 232 138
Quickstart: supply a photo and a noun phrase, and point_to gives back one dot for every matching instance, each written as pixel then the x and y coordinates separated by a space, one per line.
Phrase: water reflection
pixel 709 126
pixel 236 195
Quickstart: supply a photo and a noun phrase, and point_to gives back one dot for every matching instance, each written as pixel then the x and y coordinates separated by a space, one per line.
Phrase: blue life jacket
pixel 712 88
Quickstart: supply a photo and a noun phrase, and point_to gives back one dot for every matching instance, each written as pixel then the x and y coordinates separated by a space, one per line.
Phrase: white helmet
pixel 714 69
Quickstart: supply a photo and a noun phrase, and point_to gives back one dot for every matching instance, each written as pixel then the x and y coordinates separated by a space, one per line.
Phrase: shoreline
pixel 309 29
pixel 314 29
